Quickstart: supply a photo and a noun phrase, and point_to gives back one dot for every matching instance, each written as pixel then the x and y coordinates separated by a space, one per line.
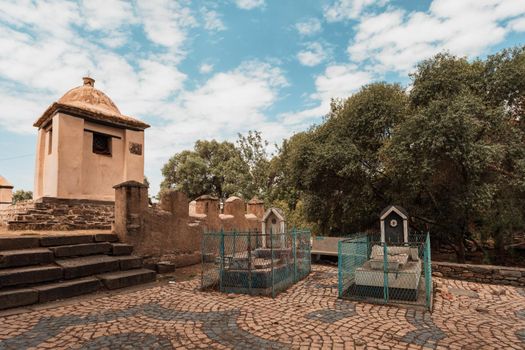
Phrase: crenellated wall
pixel 175 226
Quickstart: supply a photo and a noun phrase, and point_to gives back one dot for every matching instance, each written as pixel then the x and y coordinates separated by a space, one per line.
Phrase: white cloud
pixel 397 40
pixel 212 20
pixel 165 21
pixel 309 27
pixel 337 81
pixel 313 54
pixel 107 15
pixel 249 4
pixel 342 10
pixel 517 25
pixel 206 68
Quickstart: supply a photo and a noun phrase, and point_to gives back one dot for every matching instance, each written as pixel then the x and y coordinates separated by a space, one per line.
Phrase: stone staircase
pixel 38 269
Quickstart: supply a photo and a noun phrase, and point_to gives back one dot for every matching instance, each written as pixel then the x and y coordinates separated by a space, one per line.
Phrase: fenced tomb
pixel 254 262
pixel 386 269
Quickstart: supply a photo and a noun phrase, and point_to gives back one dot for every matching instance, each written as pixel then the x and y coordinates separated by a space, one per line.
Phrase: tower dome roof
pixel 4 183
pixel 87 102
pixel 87 97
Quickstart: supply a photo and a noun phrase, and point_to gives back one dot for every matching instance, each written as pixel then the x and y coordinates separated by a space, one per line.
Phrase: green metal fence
pixel 374 271
pixel 254 263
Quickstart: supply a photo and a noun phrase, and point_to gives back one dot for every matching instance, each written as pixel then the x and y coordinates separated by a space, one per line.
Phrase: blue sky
pixel 211 69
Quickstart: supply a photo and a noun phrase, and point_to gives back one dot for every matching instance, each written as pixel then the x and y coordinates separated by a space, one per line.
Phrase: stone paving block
pixel 88 265
pixel 165 267
pixel 21 242
pixel 25 257
pixel 17 297
pixel 121 279
pixel 48 241
pixel 29 275
pixel 121 249
pixel 67 289
pixel 81 249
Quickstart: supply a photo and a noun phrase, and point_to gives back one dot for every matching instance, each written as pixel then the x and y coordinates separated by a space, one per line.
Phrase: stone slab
pixel 18 297
pixel 463 292
pixel 88 265
pixel 130 262
pixel 81 249
pixel 29 275
pixel 49 241
pixel 121 249
pixel 165 267
pixel 67 289
pixel 121 279
pixel 106 237
pixel 21 242
pixel 25 257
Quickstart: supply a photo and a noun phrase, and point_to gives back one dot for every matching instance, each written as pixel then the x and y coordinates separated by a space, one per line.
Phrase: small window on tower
pixel 49 141
pixel 101 144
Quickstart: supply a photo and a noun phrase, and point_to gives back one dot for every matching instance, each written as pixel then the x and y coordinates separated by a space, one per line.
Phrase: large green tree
pixel 456 160
pixel 336 165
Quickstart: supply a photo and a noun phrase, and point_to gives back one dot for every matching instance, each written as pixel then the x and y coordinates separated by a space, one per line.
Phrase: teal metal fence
pixel 374 271
pixel 251 262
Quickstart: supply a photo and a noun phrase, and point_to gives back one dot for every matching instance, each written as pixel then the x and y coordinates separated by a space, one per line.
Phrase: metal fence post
pixel 222 260
pixel 339 270
pixel 271 250
pixel 294 243
pixel 249 262
pixel 203 247
pixel 428 273
pixel 385 273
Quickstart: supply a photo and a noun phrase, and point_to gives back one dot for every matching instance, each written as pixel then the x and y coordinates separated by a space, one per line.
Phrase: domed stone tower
pixel 6 193
pixel 86 146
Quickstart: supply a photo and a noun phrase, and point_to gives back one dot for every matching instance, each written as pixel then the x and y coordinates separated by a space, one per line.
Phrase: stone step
pixel 106 237
pixel 49 241
pixel 121 249
pixel 25 257
pixel 18 242
pixel 81 249
pixel 130 262
pixel 88 265
pixel 67 289
pixel 121 279
pixel 29 275
pixel 18 297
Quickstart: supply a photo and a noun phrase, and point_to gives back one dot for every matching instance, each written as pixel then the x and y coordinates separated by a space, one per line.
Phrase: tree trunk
pixel 460 251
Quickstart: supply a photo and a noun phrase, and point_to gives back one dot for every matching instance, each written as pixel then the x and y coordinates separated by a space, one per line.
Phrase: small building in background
pixel 86 146
pixel 6 193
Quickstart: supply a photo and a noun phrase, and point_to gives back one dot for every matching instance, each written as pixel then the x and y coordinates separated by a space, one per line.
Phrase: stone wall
pixel 174 227
pixel 514 276
pixel 58 214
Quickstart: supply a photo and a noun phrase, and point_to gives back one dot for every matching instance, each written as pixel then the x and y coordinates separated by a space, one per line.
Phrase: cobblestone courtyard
pixel 466 316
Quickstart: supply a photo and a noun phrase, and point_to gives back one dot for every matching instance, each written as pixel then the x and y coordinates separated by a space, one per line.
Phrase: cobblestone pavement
pixel 309 315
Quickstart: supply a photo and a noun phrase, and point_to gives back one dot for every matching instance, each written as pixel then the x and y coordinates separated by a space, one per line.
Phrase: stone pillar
pixel 256 207
pixel 175 202
pixel 131 203
pixel 209 206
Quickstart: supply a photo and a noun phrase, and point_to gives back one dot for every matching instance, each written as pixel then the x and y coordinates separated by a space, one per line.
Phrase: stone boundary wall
pixel 175 226
pixel 58 214
pixel 514 276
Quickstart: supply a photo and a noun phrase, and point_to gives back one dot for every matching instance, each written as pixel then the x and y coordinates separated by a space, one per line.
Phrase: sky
pixel 213 69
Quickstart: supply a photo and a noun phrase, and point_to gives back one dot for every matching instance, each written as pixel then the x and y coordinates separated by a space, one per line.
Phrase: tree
pixel 336 165
pixel 457 154
pixel 253 151
pixel 21 195
pixel 214 168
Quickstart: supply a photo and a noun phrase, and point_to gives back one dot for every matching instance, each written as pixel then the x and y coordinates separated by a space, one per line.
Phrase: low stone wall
pixel 59 214
pixel 513 276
